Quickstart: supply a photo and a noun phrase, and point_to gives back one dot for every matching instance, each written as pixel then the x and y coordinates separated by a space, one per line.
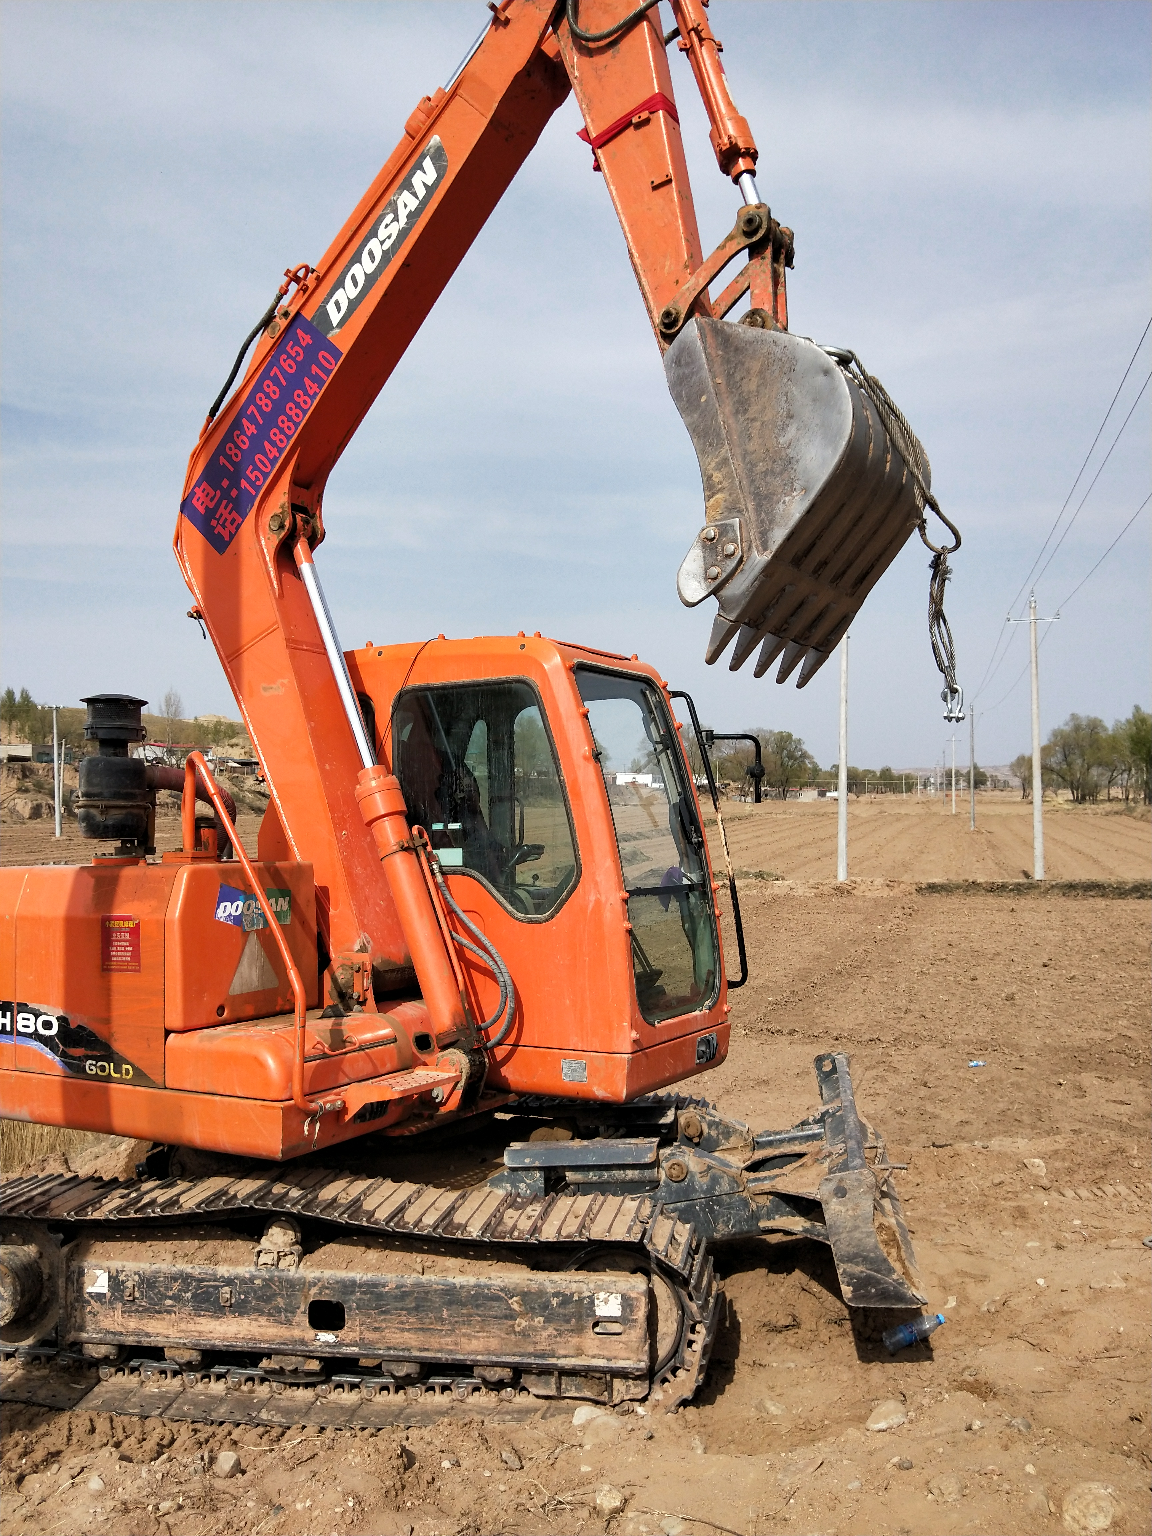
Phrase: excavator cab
pixel 553 788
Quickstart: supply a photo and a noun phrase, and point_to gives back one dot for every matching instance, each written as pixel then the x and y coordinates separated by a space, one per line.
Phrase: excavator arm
pixel 799 524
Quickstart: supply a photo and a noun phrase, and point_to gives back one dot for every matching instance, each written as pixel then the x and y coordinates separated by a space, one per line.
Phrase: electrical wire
pixel 1095 477
pixel 993 665
pixel 1091 572
pixel 1083 467
pixel 988 710
pixel 1107 552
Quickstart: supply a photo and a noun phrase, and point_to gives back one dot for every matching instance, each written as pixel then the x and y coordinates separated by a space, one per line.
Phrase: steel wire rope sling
pixel 911 450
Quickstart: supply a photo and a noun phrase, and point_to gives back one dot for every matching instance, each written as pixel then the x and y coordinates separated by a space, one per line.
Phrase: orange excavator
pixel 401 1072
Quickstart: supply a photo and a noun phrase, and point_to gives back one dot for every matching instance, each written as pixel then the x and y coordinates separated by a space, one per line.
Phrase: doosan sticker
pixel 390 228
pixel 52 1042
pixel 241 910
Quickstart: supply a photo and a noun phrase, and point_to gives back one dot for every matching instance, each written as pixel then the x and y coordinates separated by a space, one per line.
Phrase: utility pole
pixel 842 795
pixel 953 773
pixel 971 769
pixel 57 769
pixel 1037 772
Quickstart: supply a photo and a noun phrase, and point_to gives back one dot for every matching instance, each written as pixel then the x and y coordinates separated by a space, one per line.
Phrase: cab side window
pixel 479 774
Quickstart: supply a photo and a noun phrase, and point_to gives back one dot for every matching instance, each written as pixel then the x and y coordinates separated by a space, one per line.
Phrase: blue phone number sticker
pixel 259 432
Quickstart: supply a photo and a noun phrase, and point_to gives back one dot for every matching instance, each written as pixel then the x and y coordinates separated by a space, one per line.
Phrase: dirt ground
pixel 34 842
pixel 1001 1044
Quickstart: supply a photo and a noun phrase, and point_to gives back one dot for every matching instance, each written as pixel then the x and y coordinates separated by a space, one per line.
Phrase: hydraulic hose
pixel 487 952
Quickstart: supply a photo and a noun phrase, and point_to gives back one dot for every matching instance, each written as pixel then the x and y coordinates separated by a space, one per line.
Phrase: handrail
pixel 678 693
pixel 194 764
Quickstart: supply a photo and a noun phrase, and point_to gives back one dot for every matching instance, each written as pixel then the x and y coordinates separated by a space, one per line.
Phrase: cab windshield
pixel 479 774
pixel 674 943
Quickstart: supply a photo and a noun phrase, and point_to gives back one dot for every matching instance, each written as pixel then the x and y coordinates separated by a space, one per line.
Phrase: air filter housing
pixel 115 803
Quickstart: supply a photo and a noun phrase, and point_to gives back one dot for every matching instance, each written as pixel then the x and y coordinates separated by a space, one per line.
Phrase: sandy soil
pixel 1027 1191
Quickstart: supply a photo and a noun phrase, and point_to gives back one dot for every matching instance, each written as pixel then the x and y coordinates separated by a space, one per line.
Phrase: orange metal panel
pixel 11 884
pixel 217 970
pixel 244 1127
pixel 254 1061
pixel 644 168
pixel 90 946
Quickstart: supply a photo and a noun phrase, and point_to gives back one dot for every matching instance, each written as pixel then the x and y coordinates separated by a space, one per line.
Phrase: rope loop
pixel 911 450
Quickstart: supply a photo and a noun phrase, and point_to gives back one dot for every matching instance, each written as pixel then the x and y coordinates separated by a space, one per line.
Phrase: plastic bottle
pixel 915 1332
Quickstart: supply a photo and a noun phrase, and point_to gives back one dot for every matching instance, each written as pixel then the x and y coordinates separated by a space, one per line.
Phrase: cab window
pixel 479 774
pixel 675 948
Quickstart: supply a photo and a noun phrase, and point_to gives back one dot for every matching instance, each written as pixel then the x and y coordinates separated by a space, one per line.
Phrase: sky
pixel 969 185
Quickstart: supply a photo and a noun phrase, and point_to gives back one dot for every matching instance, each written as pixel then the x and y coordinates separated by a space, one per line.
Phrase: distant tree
pixel 217 732
pixel 171 709
pixel 787 761
pixel 979 776
pixel 1075 755
pixel 1132 740
pixel 1022 768
pixel 533 754
pixel 9 709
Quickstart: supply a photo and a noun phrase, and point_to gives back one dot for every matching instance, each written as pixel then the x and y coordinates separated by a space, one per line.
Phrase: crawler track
pixel 555 1229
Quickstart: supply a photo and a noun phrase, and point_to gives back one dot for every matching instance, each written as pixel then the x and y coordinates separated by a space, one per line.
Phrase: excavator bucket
pixel 807 499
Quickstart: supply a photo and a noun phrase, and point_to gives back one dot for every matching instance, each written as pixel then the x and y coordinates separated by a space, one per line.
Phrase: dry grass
pixel 22 1144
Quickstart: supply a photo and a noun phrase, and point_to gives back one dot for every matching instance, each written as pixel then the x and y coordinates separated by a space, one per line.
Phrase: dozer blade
pixel 870 1243
pixel 807 499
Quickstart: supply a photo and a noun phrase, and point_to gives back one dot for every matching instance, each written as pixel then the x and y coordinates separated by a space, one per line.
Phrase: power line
pixel 989 670
pixel 1107 552
pixel 1095 477
pixel 989 675
pixel 1019 678
pixel 1083 466
pixel 1068 599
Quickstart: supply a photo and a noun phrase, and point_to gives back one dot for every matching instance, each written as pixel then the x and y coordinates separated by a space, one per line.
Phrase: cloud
pixel 969 186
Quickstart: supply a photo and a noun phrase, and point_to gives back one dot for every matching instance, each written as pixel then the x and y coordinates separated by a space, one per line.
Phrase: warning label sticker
pixel 119 943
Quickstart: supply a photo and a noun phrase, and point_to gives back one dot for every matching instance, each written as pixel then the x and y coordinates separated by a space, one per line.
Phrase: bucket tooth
pixel 748 639
pixel 722 631
pixel 793 653
pixel 769 651
pixel 812 664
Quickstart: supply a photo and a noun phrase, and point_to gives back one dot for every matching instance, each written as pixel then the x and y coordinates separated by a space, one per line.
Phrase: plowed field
pixel 895 838
pixel 1001 1044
